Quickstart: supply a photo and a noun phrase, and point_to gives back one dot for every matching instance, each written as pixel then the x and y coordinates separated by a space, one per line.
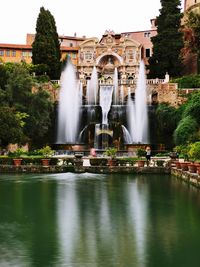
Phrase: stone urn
pixel 198 170
pixel 184 166
pixel 178 165
pixel 192 167
pixel 112 162
pixel 141 162
pixel 17 162
pixel 45 162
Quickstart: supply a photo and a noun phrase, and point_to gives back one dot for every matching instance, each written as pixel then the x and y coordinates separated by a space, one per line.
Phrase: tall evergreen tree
pixel 168 42
pixel 46 46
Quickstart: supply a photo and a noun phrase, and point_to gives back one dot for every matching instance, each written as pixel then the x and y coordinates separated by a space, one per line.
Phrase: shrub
pixel 98 161
pixel 190 81
pixel 160 163
pixel 111 152
pixel 68 162
pixel 19 152
pixel 194 151
pixel 31 160
pixel 141 152
pixel 182 151
pixel 130 161
pixel 46 151
pixel 4 160
pixel 186 131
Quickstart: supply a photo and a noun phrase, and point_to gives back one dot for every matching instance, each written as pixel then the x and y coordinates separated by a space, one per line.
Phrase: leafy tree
pixel 165 124
pixel 193 107
pixel 39 110
pixel 168 42
pixel 194 151
pixel 192 34
pixel 46 46
pixel 11 130
pixel 190 81
pixel 19 87
pixel 186 131
pixel 3 76
pixel 35 104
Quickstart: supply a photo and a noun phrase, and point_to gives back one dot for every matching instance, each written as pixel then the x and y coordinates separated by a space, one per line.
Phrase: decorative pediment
pixel 89 42
pixel 108 38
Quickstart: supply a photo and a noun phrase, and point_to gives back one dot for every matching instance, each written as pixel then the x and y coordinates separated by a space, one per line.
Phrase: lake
pixel 98 220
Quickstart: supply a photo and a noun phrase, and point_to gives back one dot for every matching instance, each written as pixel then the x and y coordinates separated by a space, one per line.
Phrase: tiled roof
pixel 69 48
pixel 16 46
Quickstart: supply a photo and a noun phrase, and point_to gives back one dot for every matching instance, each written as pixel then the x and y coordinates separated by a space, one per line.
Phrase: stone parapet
pixel 190 178
pixel 91 169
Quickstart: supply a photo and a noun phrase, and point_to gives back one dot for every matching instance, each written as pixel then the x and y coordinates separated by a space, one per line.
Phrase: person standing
pixel 148 155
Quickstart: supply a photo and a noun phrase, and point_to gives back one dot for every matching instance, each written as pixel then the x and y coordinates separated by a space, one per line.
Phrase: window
pixel 147 34
pixel 7 53
pixel 13 53
pixel 88 56
pixel 73 55
pixel 1 52
pixel 30 54
pixel 71 44
pixel 148 52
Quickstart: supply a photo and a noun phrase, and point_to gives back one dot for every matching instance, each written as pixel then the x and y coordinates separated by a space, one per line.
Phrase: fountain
pixel 103 119
pixel 137 110
pixel 69 104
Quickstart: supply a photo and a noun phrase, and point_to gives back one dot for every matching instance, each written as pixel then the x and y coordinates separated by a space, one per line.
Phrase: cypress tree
pixel 168 42
pixel 46 46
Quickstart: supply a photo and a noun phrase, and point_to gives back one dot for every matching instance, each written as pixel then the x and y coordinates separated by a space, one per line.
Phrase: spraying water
pixel 131 117
pixel 106 92
pixel 68 109
pixel 115 83
pixel 92 88
pixel 137 113
pixel 126 135
pixel 121 95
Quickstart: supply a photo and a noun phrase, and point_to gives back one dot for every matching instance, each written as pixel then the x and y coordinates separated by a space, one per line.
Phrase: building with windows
pixel 15 53
pixel 71 45
pixel 192 5
pixel 144 38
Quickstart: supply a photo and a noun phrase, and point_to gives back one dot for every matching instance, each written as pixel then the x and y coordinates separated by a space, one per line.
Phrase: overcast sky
pixel 83 17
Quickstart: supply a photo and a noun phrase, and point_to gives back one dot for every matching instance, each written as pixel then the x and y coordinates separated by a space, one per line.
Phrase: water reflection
pixel 98 220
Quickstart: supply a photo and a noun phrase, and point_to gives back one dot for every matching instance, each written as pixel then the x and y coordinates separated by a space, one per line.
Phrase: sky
pixel 83 17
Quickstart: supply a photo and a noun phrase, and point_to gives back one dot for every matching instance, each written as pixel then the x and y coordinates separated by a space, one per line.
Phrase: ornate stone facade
pixel 112 52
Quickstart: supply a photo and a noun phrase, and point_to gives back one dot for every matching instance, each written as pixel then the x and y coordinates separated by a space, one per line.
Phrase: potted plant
pixel 111 152
pixel 194 153
pixel 17 154
pixel 141 154
pixel 46 152
pixel 192 168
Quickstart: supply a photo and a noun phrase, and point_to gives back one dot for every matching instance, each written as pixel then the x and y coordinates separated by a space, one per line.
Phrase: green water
pixel 89 220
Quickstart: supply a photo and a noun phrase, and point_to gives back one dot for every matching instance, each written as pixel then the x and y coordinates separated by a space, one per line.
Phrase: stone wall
pixel 166 93
pixel 190 178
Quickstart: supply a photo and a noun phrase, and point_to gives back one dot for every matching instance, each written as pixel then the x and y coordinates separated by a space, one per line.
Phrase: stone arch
pixel 120 59
pixel 154 97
